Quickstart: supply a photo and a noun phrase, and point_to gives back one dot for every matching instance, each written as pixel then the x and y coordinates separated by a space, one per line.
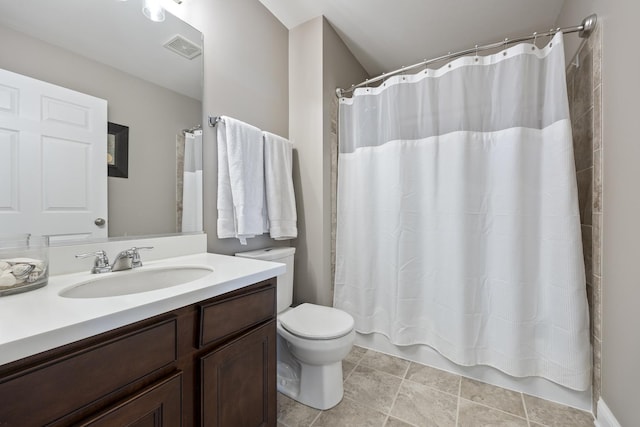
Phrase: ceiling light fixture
pixel 153 10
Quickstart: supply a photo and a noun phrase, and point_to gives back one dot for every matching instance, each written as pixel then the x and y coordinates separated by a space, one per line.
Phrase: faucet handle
pixel 141 247
pixel 101 262
pixel 135 256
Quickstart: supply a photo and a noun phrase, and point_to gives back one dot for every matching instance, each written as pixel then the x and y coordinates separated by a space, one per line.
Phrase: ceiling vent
pixel 183 47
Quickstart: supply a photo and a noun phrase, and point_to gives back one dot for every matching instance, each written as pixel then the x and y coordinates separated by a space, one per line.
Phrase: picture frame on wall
pixel 118 150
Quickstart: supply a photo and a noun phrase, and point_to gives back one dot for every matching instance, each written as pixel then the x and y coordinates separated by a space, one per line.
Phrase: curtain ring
pixel 476 53
pixel 535 37
pixel 504 53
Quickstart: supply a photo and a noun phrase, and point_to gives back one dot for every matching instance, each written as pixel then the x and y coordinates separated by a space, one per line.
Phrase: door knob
pixel 99 222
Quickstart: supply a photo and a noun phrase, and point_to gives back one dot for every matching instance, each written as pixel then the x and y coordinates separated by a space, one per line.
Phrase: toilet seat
pixel 316 322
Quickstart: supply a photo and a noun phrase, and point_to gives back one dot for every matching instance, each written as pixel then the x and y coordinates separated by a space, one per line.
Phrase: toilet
pixel 312 340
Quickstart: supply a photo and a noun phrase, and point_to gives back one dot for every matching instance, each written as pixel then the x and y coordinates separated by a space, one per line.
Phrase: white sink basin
pixel 135 281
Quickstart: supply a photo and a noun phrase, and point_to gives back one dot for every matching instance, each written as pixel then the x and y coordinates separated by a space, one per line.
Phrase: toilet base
pixel 324 386
pixel 317 386
pixel 321 386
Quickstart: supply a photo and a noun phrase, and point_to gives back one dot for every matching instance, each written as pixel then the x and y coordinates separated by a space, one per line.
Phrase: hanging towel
pixel 281 201
pixel 241 210
pixel 192 183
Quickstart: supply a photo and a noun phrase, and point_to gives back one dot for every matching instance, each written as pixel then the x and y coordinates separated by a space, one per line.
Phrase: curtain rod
pixel 584 30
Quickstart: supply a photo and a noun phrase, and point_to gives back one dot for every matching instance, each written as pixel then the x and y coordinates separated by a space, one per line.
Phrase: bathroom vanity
pixel 202 353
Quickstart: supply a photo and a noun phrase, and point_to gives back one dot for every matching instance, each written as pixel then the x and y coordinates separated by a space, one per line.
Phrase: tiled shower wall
pixel 584 85
pixel 179 179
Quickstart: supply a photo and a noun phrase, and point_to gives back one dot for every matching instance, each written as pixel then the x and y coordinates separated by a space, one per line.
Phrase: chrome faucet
pixel 125 260
pixel 101 263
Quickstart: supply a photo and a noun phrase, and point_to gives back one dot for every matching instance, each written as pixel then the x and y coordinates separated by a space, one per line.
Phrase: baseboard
pixel 605 416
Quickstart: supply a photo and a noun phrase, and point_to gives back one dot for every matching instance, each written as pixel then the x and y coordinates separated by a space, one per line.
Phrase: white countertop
pixel 40 320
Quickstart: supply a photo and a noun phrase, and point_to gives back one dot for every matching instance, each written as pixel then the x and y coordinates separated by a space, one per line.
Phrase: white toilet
pixel 312 341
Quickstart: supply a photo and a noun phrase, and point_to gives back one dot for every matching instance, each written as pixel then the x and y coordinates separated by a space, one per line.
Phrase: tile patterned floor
pixel 385 391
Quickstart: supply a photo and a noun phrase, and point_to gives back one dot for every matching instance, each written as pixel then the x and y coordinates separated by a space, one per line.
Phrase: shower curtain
pixel 192 184
pixel 458 223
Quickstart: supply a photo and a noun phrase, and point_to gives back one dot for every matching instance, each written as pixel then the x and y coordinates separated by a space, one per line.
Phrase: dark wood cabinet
pixel 238 381
pixel 159 405
pixel 212 363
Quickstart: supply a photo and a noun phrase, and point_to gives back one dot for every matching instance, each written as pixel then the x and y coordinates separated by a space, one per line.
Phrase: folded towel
pixel 281 201
pixel 240 180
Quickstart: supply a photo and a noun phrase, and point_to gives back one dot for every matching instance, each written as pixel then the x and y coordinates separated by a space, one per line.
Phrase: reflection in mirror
pixel 109 50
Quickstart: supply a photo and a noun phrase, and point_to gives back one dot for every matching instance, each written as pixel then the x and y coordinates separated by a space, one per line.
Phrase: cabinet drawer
pixel 52 390
pixel 221 319
pixel 159 405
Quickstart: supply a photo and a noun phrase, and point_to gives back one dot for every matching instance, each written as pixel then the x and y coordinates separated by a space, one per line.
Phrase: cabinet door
pixel 238 382
pixel 157 406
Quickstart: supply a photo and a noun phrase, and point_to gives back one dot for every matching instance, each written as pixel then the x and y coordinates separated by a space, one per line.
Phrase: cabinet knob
pixel 99 222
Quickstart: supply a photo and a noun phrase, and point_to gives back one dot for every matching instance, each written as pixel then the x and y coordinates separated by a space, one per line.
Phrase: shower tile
pixel 596 38
pixel 597 373
pixel 571 75
pixel 347 368
pixel 394 422
pixel 597 118
pixel 441 380
pixel 555 415
pixel 596 314
pixel 425 406
pixel 489 395
pixel 597 181
pixel 583 141
pixel 472 415
pixel 590 297
pixel 583 84
pixel 587 232
pixel 585 195
pixel 383 362
pixel 350 414
pixel 373 388
pixel 355 354
pixel 597 244
pixel 292 413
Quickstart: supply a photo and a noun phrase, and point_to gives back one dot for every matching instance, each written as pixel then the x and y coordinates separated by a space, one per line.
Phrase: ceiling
pixel 385 35
pixel 115 33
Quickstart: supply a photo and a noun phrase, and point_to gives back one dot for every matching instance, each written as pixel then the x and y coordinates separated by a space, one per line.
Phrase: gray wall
pixel 145 203
pixel 621 204
pixel 245 77
pixel 318 63
pixel 305 129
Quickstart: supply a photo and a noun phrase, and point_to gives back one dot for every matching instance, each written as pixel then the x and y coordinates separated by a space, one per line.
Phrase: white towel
pixel 281 200
pixel 192 182
pixel 240 180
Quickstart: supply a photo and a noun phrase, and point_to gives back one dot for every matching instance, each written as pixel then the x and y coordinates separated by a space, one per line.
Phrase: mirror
pixel 110 50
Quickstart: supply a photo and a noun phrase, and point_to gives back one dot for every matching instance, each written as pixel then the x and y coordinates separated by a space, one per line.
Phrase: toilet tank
pixel 285 281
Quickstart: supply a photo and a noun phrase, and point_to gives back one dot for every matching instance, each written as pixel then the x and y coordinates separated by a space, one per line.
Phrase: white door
pixel 53 168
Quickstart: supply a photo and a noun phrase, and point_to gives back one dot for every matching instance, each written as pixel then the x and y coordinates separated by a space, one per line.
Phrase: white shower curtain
pixel 192 184
pixel 458 223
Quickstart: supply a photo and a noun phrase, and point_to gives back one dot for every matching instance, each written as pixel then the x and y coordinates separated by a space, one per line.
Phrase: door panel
pixel 53 171
pixel 238 381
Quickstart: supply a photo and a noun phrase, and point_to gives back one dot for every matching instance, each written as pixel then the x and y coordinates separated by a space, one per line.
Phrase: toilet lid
pixel 316 321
